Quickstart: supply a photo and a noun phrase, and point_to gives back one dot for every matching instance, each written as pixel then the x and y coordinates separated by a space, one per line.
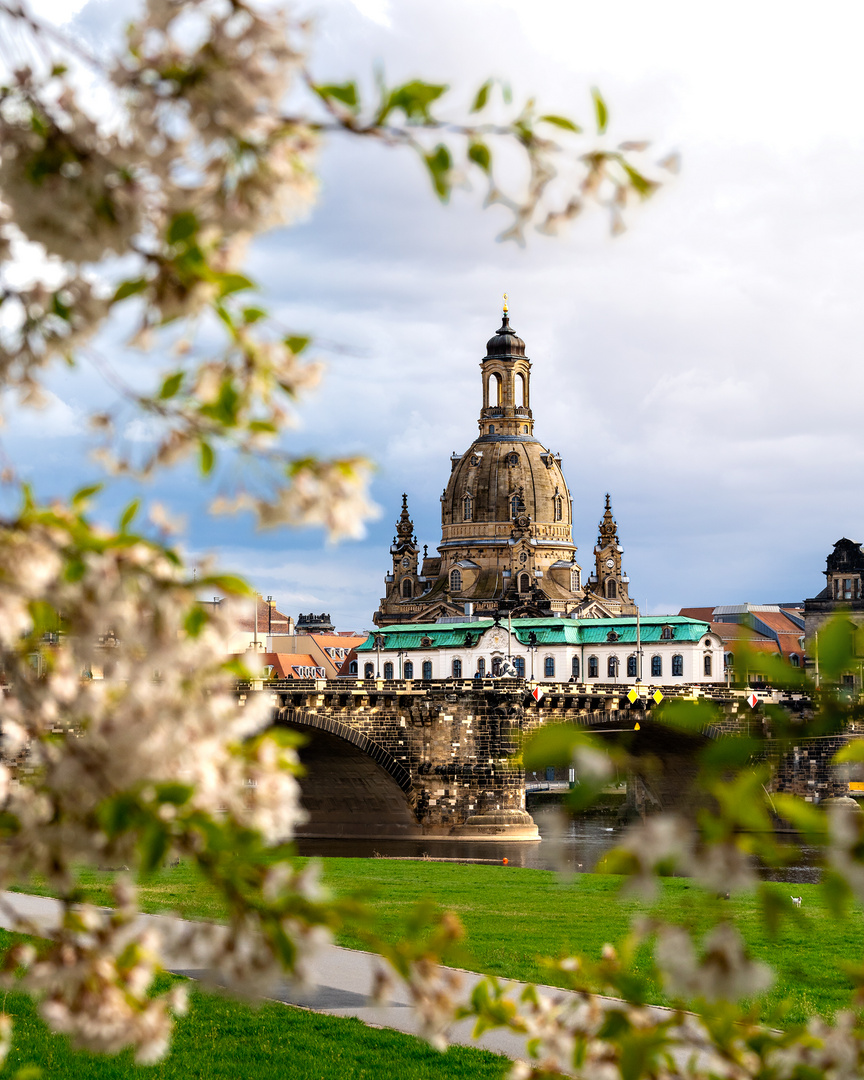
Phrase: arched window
pixel 491 429
pixel 522 390
pixel 496 389
pixel 574 667
pixel 352 668
pixel 632 667
pixel 514 506
pixel 729 659
pixel 427 670
pixel 677 664
pixel 455 581
pixel 612 636
pixel 575 582
pixel 408 670
pixel 706 665
pixel 524 583
pixel 795 660
pixel 559 507
pixel 481 666
pixel 612 667
pixel 611 589
pixel 519 664
pixel 524 429
pixel 496 667
pixel 656 667
pixel 549 667
pixel 667 633
pixel 388 670
pixel 406 588
pixel 457 668
pixel 467 508
pixel 368 671
pixel 593 667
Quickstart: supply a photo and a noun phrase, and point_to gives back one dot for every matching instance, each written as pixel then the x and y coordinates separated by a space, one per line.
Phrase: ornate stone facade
pixel 506 522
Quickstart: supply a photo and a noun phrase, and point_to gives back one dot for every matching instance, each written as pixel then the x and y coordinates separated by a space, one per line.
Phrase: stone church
pixel 506 522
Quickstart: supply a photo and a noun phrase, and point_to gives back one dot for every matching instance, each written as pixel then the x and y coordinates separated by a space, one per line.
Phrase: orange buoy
pixel 505 861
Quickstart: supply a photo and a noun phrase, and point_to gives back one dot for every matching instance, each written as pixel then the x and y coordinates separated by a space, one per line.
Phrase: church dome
pixel 505 342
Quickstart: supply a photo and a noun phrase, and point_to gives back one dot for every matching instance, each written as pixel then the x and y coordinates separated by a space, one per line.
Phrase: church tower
pixel 609 582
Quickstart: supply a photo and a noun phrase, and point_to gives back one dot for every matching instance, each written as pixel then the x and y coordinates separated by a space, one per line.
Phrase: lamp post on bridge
pixel 379 645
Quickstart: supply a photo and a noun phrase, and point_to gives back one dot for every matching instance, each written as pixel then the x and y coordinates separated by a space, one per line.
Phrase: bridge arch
pixel 352 787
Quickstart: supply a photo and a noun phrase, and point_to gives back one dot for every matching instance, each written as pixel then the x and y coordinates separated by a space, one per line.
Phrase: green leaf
pixel 852 751
pixel 297 343
pixel 811 822
pixel 233 283
pixel 344 92
pixel 439 163
pixel 174 793
pixel 601 113
pixel 153 846
pixel 129 288
pixel 195 621
pixel 129 513
pixel 553 744
pixel 206 458
pixel 170 386
pixel 640 183
pixel 85 494
pixel 482 96
pixel 253 315
pixel 478 152
pixel 413 99
pixel 561 121
pixel 729 752
pixel 182 227
pixel 228 583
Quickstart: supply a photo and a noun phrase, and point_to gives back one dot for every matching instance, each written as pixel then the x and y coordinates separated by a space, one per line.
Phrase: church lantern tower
pixel 609 582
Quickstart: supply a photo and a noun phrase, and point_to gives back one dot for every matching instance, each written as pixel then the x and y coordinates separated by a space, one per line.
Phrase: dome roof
pixel 505 342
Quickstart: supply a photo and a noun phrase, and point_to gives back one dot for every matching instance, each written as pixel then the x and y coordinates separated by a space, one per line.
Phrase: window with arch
pixel 524 429
pixel 456 668
pixel 427 670
pixel 491 429
pixel 574 667
pixel 407 591
pixel 524 583
pixel 729 659
pixel 611 589
pixel 522 390
pixel 495 389
pixel 559 507
pixel 467 508
pixel 612 667
pixel 455 581
pixel 519 664
pixel 706 665
pixel 632 667
pixel 612 636
pixel 514 506
pixel 368 671
pixel 593 667
pixel 549 667
pixel 795 660
pixel 575 581
pixel 667 633
pixel 352 668
pixel 656 667
pixel 677 665
pixel 408 670
pixel 481 666
pixel 388 670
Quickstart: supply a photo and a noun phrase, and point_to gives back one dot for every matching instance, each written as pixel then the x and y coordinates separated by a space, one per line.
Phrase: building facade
pixel 506 522
pixel 658 651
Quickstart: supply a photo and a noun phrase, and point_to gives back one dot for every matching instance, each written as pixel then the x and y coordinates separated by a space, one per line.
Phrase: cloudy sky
pixel 704 368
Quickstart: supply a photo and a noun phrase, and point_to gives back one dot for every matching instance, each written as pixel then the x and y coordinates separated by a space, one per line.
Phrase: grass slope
pixel 513 917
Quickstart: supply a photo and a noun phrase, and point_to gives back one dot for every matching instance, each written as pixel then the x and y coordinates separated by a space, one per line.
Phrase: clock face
pixel 406 563
pixel 610 563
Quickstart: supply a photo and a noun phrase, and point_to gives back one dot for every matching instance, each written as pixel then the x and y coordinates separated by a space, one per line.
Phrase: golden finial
pixel 506 309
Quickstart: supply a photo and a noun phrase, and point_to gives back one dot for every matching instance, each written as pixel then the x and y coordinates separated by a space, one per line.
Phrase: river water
pixel 576 847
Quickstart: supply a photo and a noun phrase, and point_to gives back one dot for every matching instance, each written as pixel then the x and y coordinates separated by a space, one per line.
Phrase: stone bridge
pixel 407 759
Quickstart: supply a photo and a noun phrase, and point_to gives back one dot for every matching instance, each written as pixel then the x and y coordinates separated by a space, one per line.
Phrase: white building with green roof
pixel 662 650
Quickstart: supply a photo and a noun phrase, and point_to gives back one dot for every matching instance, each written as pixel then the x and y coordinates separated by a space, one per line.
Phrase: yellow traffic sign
pixel 636 727
pixel 658 697
pixel 632 696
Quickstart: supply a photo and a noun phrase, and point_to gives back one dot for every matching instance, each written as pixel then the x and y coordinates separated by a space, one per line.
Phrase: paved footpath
pixel 341 980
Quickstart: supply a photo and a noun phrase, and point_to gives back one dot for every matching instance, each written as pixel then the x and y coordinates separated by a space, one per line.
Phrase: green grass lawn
pixel 220 1039
pixel 513 917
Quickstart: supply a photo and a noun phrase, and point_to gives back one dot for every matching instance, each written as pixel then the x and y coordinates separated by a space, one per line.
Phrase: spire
pixel 404 526
pixel 608 526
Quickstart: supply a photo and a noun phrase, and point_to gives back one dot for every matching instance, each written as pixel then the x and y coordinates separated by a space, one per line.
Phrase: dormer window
pixel 455 581
pixel 559 507
pixel 611 636
pixel 575 583
pixel 467 508
pixel 667 633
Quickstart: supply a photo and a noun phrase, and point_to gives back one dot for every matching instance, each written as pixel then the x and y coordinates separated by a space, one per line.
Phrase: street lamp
pixel 379 645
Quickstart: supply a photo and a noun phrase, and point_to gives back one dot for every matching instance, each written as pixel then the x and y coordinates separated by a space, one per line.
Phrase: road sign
pixel 752 701
pixel 658 697
pixel 632 696
pixel 537 693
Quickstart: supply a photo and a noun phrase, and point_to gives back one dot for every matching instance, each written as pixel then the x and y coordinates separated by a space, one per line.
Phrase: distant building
pixel 843 595
pixel 506 522
pixel 770 630
pixel 315 624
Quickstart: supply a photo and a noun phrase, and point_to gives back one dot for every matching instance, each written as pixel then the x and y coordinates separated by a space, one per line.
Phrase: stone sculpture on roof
pixel 506 521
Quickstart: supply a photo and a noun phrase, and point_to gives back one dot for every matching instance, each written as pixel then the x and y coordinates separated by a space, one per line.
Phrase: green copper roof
pixel 549 631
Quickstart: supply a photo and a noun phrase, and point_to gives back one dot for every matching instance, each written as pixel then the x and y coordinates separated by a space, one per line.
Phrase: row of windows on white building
pixel 592 668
